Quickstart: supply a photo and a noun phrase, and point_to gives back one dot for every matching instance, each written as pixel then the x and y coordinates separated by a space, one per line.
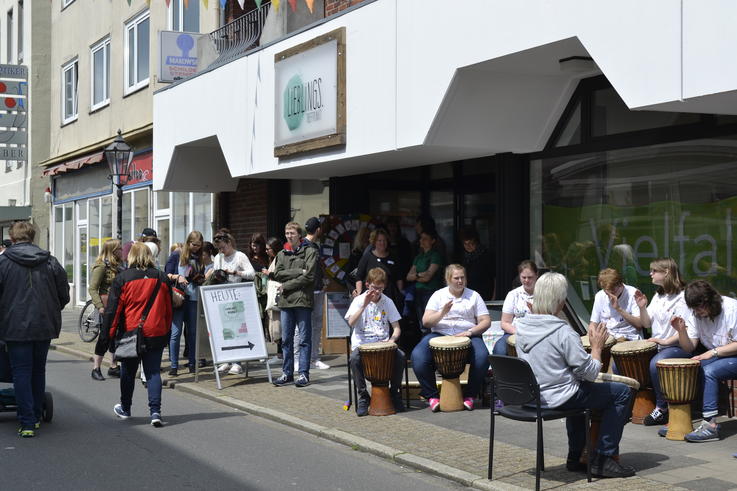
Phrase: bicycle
pixel 90 322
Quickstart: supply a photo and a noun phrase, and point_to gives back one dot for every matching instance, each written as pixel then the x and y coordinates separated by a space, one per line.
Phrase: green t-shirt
pixel 422 262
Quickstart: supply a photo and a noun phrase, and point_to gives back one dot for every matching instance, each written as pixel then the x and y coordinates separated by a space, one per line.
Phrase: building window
pixel 9 33
pixel 100 74
pixel 137 53
pixel 20 31
pixel 69 92
pixel 184 16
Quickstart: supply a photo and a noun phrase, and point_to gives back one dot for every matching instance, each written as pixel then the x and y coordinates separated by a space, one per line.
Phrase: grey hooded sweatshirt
pixel 556 355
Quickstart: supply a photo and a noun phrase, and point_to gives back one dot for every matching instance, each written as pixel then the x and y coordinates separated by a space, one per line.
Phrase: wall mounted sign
pixel 310 95
pixel 14 113
pixel 177 55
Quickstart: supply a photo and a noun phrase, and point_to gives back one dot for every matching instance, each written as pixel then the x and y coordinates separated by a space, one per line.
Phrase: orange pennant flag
pixel 310 5
pixel 186 4
pixel 293 4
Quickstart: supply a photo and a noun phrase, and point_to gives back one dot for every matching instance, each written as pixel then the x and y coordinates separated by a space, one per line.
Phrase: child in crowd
pixel 374 318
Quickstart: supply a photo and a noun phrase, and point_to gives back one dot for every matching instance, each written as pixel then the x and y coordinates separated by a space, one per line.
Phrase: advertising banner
pixel 177 55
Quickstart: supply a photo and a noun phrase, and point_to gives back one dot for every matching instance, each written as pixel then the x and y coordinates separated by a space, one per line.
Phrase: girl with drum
pixel 616 307
pixel 374 318
pixel 453 311
pixel 517 304
pixel 668 302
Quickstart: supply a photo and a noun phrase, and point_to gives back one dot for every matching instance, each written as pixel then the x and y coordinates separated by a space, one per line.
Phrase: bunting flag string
pixel 276 4
pixel 204 2
pixel 293 4
pixel 258 3
pixel 186 4
pixel 241 2
pixel 168 2
pixel 222 3
pixel 310 5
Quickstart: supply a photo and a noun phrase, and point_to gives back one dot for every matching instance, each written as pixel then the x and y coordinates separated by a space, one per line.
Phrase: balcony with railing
pixel 239 36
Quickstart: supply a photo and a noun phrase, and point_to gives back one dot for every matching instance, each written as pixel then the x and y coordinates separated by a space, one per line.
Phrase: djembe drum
pixel 512 345
pixel 632 359
pixel 377 360
pixel 679 380
pixel 605 351
pixel 450 355
pixel 634 386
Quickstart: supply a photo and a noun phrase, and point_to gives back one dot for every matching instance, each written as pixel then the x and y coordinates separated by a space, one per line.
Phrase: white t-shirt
pixel 719 332
pixel 235 263
pixel 662 309
pixel 463 314
pixel 518 303
pixel 374 325
pixel 615 323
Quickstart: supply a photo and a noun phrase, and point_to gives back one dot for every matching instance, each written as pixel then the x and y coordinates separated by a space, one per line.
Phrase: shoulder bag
pixel 130 344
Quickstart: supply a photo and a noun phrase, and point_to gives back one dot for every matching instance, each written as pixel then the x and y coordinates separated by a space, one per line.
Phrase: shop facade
pixel 553 141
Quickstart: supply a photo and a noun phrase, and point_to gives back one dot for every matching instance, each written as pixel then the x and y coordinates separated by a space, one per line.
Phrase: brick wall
pixel 335 6
pixel 245 211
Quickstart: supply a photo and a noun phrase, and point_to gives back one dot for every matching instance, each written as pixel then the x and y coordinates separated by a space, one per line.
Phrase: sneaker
pixel 704 433
pixel 120 412
pixel 362 406
pixel 114 372
pixel 398 402
pixel 190 368
pixel 173 372
pixel 575 466
pixel 26 433
pixel 223 367
pixel 321 366
pixel 37 425
pixel 663 431
pixel 97 374
pixel 468 403
pixel 283 380
pixel 236 369
pixel 655 418
pixel 434 404
pixel 606 466
pixel 156 420
pixel 498 404
pixel 302 381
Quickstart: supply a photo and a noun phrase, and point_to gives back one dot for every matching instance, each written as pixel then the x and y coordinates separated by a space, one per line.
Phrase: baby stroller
pixel 7 395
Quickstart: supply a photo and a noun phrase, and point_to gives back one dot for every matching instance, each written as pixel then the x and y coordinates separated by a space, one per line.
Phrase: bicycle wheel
pixel 89 322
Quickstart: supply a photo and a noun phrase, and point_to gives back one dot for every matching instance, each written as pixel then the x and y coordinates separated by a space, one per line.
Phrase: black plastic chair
pixel 514 383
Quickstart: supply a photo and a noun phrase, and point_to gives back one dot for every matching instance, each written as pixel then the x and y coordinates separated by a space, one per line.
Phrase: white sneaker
pixel 274 360
pixel 223 367
pixel 321 366
pixel 236 369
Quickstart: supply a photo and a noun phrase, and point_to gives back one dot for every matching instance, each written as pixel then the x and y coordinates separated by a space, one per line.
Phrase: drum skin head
pixel 677 362
pixel 381 345
pixel 512 340
pixel 447 342
pixel 610 377
pixel 634 347
pixel 610 341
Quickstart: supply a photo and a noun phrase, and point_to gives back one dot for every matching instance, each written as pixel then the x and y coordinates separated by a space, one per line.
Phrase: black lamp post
pixel 119 156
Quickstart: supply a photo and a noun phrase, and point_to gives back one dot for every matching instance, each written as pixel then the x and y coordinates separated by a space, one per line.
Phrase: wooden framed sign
pixel 310 95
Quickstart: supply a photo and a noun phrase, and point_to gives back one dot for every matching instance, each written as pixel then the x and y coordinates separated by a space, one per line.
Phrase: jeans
pixel 360 380
pixel 422 296
pixel 151 360
pixel 316 320
pixel 28 362
pixel 713 371
pixel 500 347
pixel 424 366
pixel 186 314
pixel 613 399
pixel 669 352
pixel 296 319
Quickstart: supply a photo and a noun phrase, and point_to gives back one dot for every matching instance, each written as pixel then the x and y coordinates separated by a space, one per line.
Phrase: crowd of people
pixel 399 295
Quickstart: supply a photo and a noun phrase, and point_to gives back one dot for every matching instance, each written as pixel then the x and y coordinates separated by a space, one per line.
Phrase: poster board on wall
pixel 336 306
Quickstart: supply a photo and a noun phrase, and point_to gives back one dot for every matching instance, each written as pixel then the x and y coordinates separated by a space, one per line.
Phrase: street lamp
pixel 119 156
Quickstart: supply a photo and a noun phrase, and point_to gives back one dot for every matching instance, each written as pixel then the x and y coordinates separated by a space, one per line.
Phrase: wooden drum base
pixel 644 405
pixel 381 402
pixel 451 395
pixel 679 421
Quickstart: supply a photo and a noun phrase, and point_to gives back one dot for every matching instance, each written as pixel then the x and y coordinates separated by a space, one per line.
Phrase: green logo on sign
pixel 293 103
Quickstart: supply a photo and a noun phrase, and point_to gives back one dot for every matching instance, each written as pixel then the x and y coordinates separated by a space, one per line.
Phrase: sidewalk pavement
pixel 452 445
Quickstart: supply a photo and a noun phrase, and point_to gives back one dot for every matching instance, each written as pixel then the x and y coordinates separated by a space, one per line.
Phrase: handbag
pixel 130 344
pixel 177 297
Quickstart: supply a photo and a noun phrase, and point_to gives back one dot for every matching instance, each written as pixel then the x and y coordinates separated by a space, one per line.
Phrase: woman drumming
pixel 107 266
pixel 453 311
pixel 380 257
pixel 667 303
pixel 517 304
pixel 425 271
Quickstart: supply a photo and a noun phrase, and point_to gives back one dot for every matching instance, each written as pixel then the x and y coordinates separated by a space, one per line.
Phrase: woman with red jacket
pixel 129 294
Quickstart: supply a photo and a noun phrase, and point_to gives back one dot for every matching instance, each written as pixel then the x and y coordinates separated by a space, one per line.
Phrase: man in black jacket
pixel 33 291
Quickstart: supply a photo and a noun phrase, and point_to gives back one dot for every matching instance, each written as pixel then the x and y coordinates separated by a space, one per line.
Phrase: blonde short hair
pixel 449 271
pixel 140 256
pixel 296 226
pixel 551 289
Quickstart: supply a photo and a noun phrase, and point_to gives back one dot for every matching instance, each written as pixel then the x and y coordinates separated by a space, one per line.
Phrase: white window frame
pixel 19 30
pixel 180 20
pixel 103 45
pixel 133 25
pixel 74 66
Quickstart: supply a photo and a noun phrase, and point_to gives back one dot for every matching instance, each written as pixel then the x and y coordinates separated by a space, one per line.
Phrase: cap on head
pixel 312 225
pixel 148 232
